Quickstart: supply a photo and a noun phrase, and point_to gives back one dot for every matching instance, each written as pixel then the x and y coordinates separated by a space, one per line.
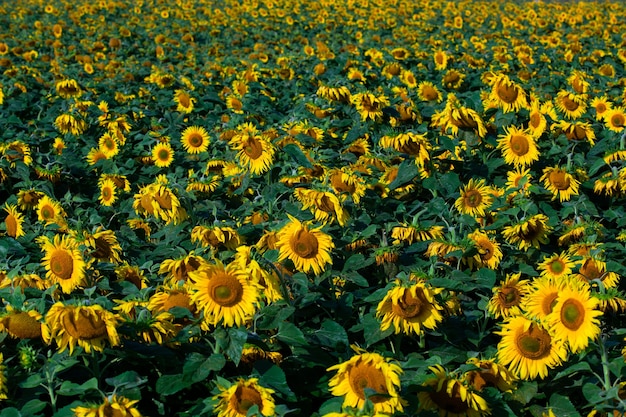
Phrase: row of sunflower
pixel 312 208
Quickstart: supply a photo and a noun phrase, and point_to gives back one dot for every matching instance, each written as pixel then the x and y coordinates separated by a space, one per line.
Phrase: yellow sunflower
pixel 489 374
pixel 601 105
pixel 14 221
pixel 530 232
pixel 450 396
pixel 571 105
pixel 414 144
pixel 369 105
pixel 576 131
pixel 184 102
pixel 489 253
pixel 29 199
pixel 325 206
pixel 236 400
pixel 111 406
pixel 179 269
pixel 225 294
pixel 560 183
pixel 440 58
pixel 254 151
pixel 369 371
pixel 412 233
pixel 475 198
pixel 50 211
pixel 195 139
pixel 345 181
pixel 592 269
pixel 556 266
pixel 309 249
pixel 615 119
pixel 537 122
pixel 216 236
pixel 108 193
pixel 518 147
pixel 270 282
pixel 427 91
pixel 162 154
pixel 89 327
pixel 108 145
pixel 507 298
pixel 21 324
pixel 507 94
pixel 528 349
pixel 104 245
pixel 574 317
pixel 63 262
pixel 409 309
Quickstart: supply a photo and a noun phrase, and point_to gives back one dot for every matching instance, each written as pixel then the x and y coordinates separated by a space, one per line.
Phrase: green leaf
pixel 238 337
pixel 332 334
pixel 406 172
pixel 570 370
pixel 528 270
pixel 356 278
pixel 272 376
pixel 371 330
pixel 290 334
pixel 33 407
pixel 197 367
pixel 295 152
pixel 525 392
pixel 10 412
pixel 272 315
pixel 485 277
pixel 128 379
pixel 562 406
pixel 593 393
pixel 69 388
pixel 170 384
pixel 356 262
pixel 32 381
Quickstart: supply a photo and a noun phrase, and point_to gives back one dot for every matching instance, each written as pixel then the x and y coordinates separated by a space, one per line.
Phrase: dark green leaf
pixel 593 393
pixel 562 406
pixel 272 315
pixel 69 388
pixel 356 262
pixel 170 384
pixel 525 392
pixel 406 172
pixel 32 381
pixel 10 412
pixel 333 335
pixel 238 337
pixel 272 376
pixel 290 334
pixel 371 330
pixel 295 152
pixel 128 379
pixel 33 407
pixel 570 370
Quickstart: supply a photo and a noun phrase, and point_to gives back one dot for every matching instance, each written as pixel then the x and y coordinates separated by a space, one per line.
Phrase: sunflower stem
pixel 51 391
pixel 606 366
pixel 422 341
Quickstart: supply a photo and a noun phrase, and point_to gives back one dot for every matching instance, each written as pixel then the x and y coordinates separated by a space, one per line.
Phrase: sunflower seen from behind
pixel 63 262
pixel 225 294
pixel 308 248
pixel 88 326
pixel 529 232
pixel 114 405
pixel 14 221
pixel 409 308
pixel 368 377
pixel 528 348
pixel 238 398
pixel 255 152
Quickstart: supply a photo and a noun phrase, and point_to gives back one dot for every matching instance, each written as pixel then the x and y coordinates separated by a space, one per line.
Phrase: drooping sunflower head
pixel 560 183
pixel 14 221
pixel 21 324
pixel 489 374
pixel 530 232
pixel 184 101
pixel 115 405
pixel 236 400
pixel 367 373
pixel 571 105
pixel 507 298
pixel 256 152
pixel 507 94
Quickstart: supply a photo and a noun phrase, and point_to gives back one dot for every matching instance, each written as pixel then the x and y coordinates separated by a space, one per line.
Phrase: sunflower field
pixel 321 209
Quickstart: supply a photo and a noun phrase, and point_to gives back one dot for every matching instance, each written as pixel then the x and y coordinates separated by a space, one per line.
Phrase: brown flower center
pixel 409 306
pixel 535 119
pixel 47 212
pixel 340 185
pixel 176 299
pixel 23 326
pixel 326 204
pixel 225 289
pixel 61 264
pixel 590 270
pixel 103 249
pixel 195 140
pixel 507 92
pixel 618 120
pixel 304 244
pixel 253 148
pixel 509 297
pixel 183 99
pixel 449 399
pixel 83 325
pixel 163 155
pixel 244 398
pixel 559 179
pixel 362 376
pixel 430 93
pixel 569 104
pixel 472 198
pixel 519 145
pixel 12 225
pixel 534 343
pixel 572 314
pixel 548 302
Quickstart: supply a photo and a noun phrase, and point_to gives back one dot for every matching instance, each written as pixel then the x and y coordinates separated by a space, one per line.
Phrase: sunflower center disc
pixel 11 223
pixel 47 212
pixel 507 93
pixel 570 104
pixel 472 198
pixel 195 140
pixel 559 179
pixel 84 326
pixel 534 343
pixel 572 314
pixel 408 306
pixel 557 267
pixel 62 264
pixel 304 244
pixel 364 375
pixel 253 148
pixel 509 297
pixel 519 145
pixel 227 290
pixel 244 398
pixel 617 120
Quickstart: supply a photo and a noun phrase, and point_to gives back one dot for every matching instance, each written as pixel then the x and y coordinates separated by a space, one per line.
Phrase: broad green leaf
pixel 332 334
pixel 70 388
pixel 371 330
pixel 10 412
pixel 525 392
pixel 170 384
pixel 562 406
pixel 238 337
pixel 593 393
pixel 33 407
pixel 356 262
pixel 272 376
pixel 128 379
pixel 295 152
pixel 290 334
pixel 406 172
pixel 272 315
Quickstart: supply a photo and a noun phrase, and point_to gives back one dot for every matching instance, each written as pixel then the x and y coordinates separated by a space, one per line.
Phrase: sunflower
pixel 17 151
pixel 440 58
pixel 225 294
pixel 592 269
pixel 577 80
pixel 507 95
pixel 86 326
pixel 309 249
pixel 560 183
pixel 254 151
pixel 369 106
pixel 427 91
pixel 68 88
pixel 63 262
pixel 184 102
pixel 601 105
pixel 104 245
pixel 108 193
pixel 132 274
pixel 576 131
pixel 489 253
pixel 3 379
pixel 108 145
pixel 529 232
pixel 518 179
pixel 507 298
pixel 518 147
pixel 162 154
pixel 409 309
pixel 369 371
pixel 528 349
pixel 325 206
pixel 450 396
pixel 414 144
pixel 216 236
pixel 21 324
pixel 251 354
pixel 571 105
pixel 345 181
pixel 489 374
pixel 14 221
pixel 412 233
pixel 236 400
pixel 270 282
pixel 195 139
pixel 158 200
pixel 408 78
pixel 111 406
pixel 172 295
pixel 29 199
pixel 475 198
pixel 179 269
pixel 557 266
pixel 537 122
pixel 615 119
pixel 574 317
pixel 453 79
pixel 50 211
